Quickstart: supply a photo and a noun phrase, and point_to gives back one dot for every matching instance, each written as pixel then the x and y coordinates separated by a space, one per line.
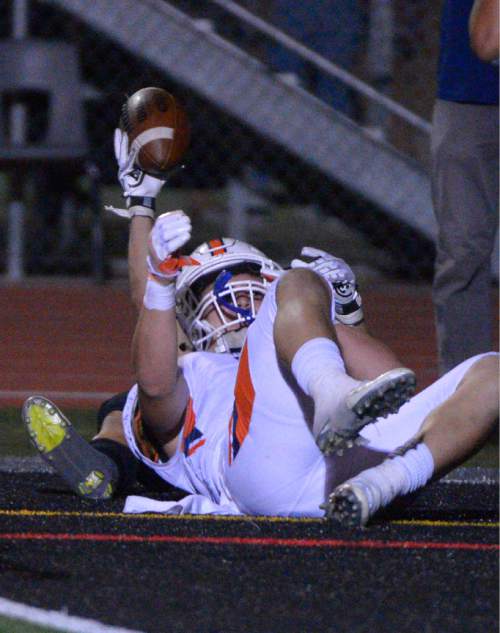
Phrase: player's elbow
pixel 484 36
pixel 488 53
pixel 150 389
pixel 152 386
pixel 486 47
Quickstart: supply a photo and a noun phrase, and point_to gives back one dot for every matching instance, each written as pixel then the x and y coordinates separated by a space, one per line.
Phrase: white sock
pixel 396 476
pixel 320 372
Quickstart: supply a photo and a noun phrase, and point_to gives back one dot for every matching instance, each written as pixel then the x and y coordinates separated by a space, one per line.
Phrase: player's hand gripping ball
pixel 158 130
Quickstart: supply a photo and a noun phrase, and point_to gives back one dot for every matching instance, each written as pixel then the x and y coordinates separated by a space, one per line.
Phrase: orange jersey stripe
pixel 195 447
pixel 244 397
pixel 189 420
pixel 144 444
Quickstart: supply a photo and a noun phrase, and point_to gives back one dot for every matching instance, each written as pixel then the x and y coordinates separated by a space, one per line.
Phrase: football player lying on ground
pixel 141 190
pixel 265 434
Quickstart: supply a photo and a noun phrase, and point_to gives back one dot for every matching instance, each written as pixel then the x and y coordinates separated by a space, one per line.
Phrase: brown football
pixel 157 125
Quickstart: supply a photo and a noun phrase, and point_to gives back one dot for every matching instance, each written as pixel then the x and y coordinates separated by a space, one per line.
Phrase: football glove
pixel 170 231
pixel 139 189
pixel 348 303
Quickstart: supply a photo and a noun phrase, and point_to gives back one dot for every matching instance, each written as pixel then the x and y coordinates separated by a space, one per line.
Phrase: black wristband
pixel 138 201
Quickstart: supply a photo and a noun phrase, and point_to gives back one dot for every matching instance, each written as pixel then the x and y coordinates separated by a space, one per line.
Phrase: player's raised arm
pixel 152 139
pixel 163 392
pixel 140 191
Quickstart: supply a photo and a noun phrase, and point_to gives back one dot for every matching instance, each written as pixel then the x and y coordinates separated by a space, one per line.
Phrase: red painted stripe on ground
pixel 237 540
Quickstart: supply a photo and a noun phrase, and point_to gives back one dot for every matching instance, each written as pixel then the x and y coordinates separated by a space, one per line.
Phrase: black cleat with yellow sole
pixel 88 472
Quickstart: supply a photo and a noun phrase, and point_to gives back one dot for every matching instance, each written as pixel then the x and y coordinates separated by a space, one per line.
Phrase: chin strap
pixel 232 342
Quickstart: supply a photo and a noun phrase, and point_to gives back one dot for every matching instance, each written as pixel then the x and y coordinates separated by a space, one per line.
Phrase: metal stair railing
pixel 200 59
pixel 324 65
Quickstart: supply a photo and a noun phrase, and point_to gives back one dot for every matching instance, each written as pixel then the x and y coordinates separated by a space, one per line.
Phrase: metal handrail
pixel 323 64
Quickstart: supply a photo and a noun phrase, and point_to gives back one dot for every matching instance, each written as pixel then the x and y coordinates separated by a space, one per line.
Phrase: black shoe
pixel 88 472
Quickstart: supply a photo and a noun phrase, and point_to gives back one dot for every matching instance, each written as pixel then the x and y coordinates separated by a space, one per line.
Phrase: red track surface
pixel 74 336
pixel 244 540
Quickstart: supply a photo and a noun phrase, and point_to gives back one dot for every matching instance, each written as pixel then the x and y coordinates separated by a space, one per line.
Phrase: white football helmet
pixel 217 261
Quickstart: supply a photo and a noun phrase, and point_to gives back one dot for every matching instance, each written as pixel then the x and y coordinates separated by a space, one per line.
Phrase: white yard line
pixel 56 620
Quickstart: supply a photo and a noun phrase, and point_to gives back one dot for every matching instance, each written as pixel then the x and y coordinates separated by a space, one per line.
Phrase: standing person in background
pixel 465 179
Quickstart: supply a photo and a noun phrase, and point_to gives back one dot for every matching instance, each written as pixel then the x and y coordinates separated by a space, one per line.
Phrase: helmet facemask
pixel 235 314
pixel 215 264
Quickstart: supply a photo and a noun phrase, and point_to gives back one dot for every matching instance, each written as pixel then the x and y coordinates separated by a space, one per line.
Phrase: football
pixel 157 127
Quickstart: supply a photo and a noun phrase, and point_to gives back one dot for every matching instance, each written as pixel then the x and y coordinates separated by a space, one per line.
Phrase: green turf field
pixel 14 625
pixel 14 439
pixel 17 626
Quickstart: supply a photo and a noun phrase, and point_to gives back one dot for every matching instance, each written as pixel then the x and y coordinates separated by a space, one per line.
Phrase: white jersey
pixel 246 445
pixel 198 463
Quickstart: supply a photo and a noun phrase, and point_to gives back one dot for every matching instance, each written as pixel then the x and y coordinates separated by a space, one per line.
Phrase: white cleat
pixel 348 505
pixel 371 400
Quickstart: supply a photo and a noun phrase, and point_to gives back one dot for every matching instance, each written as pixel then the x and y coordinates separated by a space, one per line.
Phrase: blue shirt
pixel 462 76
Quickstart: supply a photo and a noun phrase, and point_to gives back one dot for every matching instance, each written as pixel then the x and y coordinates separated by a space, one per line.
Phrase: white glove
pixel 139 188
pixel 170 231
pixel 333 269
pixel 340 276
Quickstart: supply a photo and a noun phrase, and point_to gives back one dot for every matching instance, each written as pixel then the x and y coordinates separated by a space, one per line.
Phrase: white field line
pixel 56 619
pixel 56 395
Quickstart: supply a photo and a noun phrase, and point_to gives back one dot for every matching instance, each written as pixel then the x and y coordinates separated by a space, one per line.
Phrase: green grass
pixel 487 457
pixel 17 626
pixel 14 438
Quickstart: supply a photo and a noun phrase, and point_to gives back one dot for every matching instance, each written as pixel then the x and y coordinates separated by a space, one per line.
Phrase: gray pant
pixel 465 197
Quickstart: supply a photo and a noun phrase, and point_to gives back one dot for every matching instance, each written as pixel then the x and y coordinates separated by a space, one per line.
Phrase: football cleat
pixel 348 505
pixel 371 400
pixel 88 472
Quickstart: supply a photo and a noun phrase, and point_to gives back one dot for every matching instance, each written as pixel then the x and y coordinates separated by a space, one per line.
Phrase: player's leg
pixel 110 441
pixel 458 427
pixel 94 470
pixel 306 342
pixel 448 434
pixel 87 471
pixel 274 465
pixel 365 357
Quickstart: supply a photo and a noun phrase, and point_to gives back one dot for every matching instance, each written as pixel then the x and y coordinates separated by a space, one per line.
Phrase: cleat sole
pixel 347 506
pixel 85 470
pixel 376 399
